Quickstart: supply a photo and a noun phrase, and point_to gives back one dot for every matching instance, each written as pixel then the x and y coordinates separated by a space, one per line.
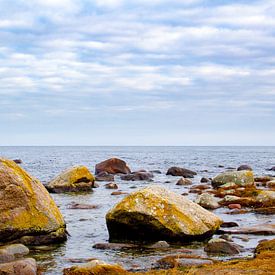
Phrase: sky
pixel 139 72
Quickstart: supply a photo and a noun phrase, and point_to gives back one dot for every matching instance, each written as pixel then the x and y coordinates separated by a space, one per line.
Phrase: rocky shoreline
pixel 149 218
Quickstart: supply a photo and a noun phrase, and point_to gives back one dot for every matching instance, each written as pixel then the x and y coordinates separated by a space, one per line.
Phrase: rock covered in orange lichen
pixel 155 213
pixel 74 179
pixel 26 208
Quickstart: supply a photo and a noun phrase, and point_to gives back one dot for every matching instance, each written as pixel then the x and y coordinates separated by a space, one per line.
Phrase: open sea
pixel 88 227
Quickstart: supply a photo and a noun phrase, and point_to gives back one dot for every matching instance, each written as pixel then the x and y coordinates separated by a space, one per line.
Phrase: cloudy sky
pixel 139 72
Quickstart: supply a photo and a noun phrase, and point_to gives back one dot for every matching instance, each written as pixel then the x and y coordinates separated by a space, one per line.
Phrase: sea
pixel 88 227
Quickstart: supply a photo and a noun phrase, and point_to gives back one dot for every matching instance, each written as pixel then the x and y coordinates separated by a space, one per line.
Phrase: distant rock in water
pixel 155 213
pixel 244 167
pixel 182 172
pixel 27 211
pixel 74 179
pixel 138 176
pixel 221 246
pixel 240 178
pixel 112 166
pixel 271 169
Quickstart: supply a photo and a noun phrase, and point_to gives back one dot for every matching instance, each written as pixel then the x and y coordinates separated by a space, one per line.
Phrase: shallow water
pixel 87 227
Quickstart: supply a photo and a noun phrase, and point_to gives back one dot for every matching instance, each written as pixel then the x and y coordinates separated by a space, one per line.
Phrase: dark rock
pixel 104 176
pixel 244 167
pixel 220 166
pixel 271 169
pixel 221 246
pixel 137 176
pixel 204 180
pixel 156 171
pixel 111 185
pixel 229 224
pixel 112 166
pixel 116 193
pixel 182 172
pixel 18 161
pixel 113 246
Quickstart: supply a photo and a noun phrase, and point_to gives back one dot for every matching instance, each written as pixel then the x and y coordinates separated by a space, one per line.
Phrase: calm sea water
pixel 87 227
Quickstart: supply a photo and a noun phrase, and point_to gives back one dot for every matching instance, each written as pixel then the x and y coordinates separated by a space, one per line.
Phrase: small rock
pixel 18 250
pixel 75 205
pixel 271 169
pixel 244 167
pixel 271 184
pixel 160 244
pixel 207 201
pixel 263 179
pixel 18 161
pixel 204 180
pixel 138 176
pixel 226 237
pixel 234 206
pixel 222 247
pixel 266 198
pixel 184 181
pixel 113 246
pixel 182 172
pixel 104 176
pixel 229 224
pixel 156 171
pixel 116 193
pixel 111 185
pixel 220 166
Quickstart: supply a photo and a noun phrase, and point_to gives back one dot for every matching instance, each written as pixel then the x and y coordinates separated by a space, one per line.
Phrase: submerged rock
pixel 20 267
pixel 26 208
pixel 95 267
pixel 112 166
pixel 241 178
pixel 74 179
pixel 155 213
pixel 18 161
pixel 182 172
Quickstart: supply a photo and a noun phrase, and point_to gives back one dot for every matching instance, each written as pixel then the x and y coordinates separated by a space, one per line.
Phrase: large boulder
pixel 74 179
pixel 112 166
pixel 155 213
pixel 182 172
pixel 27 211
pixel 240 178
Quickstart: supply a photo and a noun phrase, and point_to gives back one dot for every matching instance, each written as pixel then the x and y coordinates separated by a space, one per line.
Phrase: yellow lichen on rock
pixel 156 213
pixel 26 207
pixel 74 179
